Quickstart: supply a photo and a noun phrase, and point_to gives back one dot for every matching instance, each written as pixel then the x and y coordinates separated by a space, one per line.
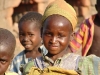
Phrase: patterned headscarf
pixel 62 8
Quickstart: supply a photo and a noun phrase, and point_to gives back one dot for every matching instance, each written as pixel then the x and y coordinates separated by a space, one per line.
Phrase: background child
pixel 87 36
pixel 7 48
pixel 30 38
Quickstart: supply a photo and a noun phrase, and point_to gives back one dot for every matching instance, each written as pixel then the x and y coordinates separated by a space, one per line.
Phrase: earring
pixel 41 41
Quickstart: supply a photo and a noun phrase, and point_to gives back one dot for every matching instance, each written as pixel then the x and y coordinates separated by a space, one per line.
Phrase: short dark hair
pixel 32 16
pixel 7 39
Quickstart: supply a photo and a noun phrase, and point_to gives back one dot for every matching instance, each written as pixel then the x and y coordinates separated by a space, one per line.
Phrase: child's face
pixel 5 59
pixel 29 35
pixel 56 34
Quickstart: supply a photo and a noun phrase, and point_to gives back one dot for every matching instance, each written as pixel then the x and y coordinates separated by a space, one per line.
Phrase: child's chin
pixel 28 50
pixel 53 53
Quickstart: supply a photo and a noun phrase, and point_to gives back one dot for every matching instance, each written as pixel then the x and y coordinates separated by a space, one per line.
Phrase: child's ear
pixel 71 36
pixel 12 57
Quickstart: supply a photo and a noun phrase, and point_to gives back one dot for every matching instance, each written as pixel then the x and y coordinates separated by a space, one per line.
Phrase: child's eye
pixel 3 61
pixel 48 34
pixel 31 34
pixel 60 36
pixel 20 34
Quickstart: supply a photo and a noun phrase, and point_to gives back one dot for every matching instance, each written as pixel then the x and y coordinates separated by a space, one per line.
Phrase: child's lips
pixel 27 45
pixel 54 46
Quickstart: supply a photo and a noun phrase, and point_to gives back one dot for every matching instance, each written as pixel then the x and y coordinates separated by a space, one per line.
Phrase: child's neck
pixel 32 54
pixel 56 56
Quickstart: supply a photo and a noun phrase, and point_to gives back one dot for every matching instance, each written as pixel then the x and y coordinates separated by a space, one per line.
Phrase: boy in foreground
pixel 7 48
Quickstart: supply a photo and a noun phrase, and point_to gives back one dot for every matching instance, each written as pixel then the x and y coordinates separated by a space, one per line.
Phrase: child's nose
pixel 26 38
pixel 54 39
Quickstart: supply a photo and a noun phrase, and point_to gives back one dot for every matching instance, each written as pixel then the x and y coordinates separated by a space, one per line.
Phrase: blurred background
pixel 12 10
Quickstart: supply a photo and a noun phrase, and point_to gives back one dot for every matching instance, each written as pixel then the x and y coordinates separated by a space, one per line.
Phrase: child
pixel 7 48
pixel 30 38
pixel 59 22
pixel 88 35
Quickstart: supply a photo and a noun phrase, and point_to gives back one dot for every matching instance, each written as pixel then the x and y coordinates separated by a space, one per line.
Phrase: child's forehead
pixel 28 24
pixel 4 48
pixel 4 54
pixel 57 22
pixel 57 19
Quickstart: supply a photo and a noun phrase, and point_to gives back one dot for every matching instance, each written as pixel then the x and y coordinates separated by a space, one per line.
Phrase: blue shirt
pixel 21 59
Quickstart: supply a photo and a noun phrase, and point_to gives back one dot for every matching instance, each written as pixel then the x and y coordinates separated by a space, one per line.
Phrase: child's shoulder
pixel 90 58
pixel 70 61
pixel 21 54
pixel 20 57
pixel 89 64
pixel 72 56
pixel 10 73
